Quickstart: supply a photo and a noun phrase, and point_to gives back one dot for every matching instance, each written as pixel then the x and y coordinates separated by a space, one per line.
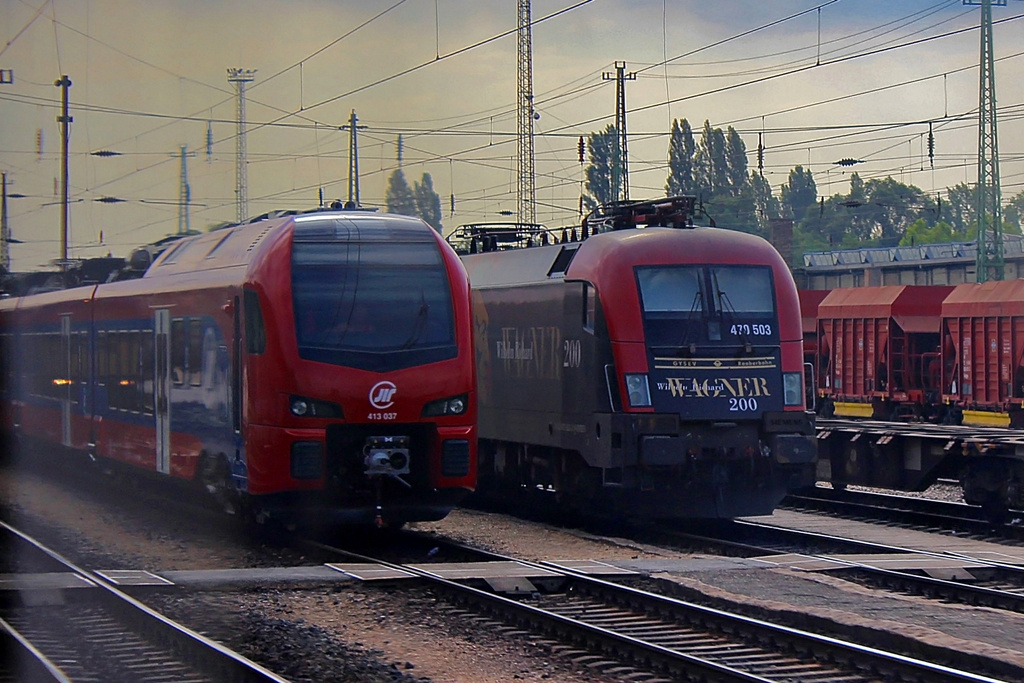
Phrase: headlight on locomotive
pixel 307 407
pixel 456 405
pixel 793 388
pixel 639 392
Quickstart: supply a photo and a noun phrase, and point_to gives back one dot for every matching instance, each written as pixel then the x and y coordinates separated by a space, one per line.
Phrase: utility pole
pixel 240 77
pixel 526 194
pixel 353 159
pixel 989 198
pixel 65 132
pixel 620 172
pixel 184 193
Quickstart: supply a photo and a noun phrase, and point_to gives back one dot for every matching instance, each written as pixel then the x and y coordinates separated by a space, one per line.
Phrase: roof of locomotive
pixel 238 245
pixel 604 258
pixel 914 308
pixel 993 298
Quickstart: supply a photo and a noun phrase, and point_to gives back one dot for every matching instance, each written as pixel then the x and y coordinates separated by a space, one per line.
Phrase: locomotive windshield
pixel 689 304
pixel 374 305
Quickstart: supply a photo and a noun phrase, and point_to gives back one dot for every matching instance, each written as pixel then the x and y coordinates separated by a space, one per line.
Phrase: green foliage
pixel 428 202
pixel 800 193
pixel 681 151
pixel 399 196
pixel 601 177
pixel 419 200
pixel 919 232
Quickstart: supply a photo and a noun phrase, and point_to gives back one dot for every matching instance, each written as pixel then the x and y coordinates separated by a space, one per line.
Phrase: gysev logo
pixel 382 395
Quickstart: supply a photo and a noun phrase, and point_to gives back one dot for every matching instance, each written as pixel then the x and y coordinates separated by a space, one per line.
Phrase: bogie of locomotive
pixel 651 370
pixel 306 367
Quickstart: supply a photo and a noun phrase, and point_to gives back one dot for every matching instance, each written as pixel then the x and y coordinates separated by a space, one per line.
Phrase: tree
pixel 735 161
pixel 399 196
pixel 800 193
pixel 766 205
pixel 681 150
pixel 959 210
pixel 711 171
pixel 428 202
pixel 920 232
pixel 1013 214
pixel 604 157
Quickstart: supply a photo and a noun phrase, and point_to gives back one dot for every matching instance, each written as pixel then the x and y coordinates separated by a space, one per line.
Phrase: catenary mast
pixel 989 199
pixel 240 77
pixel 526 191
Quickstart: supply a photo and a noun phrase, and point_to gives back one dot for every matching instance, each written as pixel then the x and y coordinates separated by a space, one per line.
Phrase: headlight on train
pixel 639 392
pixel 793 388
pixel 307 407
pixel 456 405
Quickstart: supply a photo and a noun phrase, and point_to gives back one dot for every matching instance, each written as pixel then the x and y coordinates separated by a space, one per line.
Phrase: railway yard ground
pixel 350 631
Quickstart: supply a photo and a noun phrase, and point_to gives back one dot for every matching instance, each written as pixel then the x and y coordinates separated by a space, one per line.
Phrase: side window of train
pixel 178 351
pixel 589 307
pixel 255 332
pixel 128 362
pixel 113 384
pixel 195 351
pixel 146 378
pixel 101 359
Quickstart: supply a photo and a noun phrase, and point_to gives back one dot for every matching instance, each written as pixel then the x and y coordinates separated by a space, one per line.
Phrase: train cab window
pixel 671 289
pixel 255 331
pixel 195 351
pixel 743 289
pixel 178 351
pixel 372 305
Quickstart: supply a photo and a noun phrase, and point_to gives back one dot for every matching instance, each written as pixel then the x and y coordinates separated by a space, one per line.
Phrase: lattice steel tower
pixel 240 77
pixel 989 198
pixel 525 196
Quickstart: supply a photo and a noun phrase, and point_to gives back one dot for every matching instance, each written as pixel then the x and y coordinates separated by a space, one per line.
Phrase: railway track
pixel 910 512
pixel 70 624
pixel 643 635
pixel 959 577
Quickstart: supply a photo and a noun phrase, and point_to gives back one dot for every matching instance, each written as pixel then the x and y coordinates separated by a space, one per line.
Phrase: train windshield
pixel 686 305
pixel 372 305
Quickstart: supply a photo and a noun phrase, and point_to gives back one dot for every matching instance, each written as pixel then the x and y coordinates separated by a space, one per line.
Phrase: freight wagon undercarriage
pixel 988 462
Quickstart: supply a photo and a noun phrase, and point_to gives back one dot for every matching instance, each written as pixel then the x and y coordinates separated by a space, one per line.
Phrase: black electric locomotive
pixel 644 366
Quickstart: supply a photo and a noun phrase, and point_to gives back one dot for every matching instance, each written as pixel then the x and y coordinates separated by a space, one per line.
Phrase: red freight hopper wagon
pixel 810 299
pixel 881 351
pixel 983 343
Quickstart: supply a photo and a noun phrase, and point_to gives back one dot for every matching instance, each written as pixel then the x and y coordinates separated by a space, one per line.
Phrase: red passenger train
pixel 645 367
pixel 303 366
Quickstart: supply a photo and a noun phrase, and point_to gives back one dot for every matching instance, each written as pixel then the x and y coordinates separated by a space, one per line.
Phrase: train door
pixel 161 388
pixel 65 380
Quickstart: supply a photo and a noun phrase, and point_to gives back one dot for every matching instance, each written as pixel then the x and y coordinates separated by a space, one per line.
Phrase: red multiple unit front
pixel 312 366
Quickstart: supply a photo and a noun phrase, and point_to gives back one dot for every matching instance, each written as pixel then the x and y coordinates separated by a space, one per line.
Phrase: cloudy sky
pixel 818 80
